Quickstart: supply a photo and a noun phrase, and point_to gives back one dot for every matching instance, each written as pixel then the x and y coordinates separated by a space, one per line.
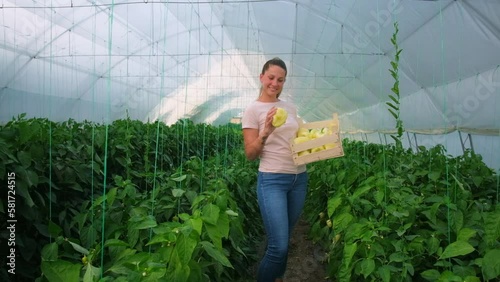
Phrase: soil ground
pixel 304 257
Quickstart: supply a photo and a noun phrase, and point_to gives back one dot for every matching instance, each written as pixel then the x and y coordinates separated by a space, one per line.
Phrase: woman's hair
pixel 273 62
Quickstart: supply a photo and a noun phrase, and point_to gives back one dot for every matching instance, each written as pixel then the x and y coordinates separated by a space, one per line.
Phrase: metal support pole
pixel 409 140
pixel 470 142
pixel 461 141
pixel 416 143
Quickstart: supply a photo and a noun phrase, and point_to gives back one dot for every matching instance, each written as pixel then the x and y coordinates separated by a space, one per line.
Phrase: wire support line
pixel 218 76
pixel 204 54
pixel 139 3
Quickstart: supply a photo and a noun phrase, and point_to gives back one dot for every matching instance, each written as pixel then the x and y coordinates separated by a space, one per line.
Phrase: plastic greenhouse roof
pixel 167 60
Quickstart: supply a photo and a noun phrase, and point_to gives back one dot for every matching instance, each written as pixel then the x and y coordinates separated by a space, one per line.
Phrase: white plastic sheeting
pixel 104 60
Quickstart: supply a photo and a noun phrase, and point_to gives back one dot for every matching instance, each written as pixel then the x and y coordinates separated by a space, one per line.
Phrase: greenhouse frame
pixel 123 155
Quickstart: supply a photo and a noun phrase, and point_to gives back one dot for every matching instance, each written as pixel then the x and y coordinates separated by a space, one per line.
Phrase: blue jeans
pixel 281 200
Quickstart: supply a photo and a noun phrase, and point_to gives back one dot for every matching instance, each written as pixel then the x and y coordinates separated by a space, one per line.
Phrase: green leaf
pixel 185 247
pixel 395 76
pixel 455 249
pixel 394 65
pixel 177 193
pixel 492 227
pixel 400 131
pixel 92 273
pixel 434 175
pixel 139 212
pixel 215 234
pixel 179 179
pixel 197 224
pixel 157 274
pixel 111 196
pixel 395 88
pixel 210 213
pixel 178 273
pixel 465 234
pixel 54 229
pixel 24 158
pixel 132 236
pixel 491 264
pixel 144 223
pixel 124 254
pixel 432 245
pixel 408 267
pixel 367 267
pixel 88 234
pixel 431 275
pixel 393 113
pixel 341 222
pixel 464 271
pixel 231 213
pixel 216 254
pixel 449 276
pixel 472 279
pixel 477 180
pixel 50 252
pixel 395 139
pixel 162 238
pixel 379 196
pixel 398 257
pixel 394 99
pixel 360 191
pixel 61 271
pixel 196 272
pixel 26 131
pixel 79 248
pixel 385 273
pixel 392 106
pixel 457 220
pixel 345 267
pixel 333 204
pixel 22 190
pixel 115 243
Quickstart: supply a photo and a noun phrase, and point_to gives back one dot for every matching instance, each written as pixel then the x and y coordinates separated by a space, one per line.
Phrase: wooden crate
pixel 337 151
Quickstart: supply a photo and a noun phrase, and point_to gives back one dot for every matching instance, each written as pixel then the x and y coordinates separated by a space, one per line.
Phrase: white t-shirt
pixel 276 155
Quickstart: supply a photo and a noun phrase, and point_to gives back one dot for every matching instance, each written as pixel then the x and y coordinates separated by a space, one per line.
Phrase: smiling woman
pixel 281 184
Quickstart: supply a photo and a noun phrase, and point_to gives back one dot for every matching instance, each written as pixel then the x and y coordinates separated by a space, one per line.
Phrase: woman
pixel 281 185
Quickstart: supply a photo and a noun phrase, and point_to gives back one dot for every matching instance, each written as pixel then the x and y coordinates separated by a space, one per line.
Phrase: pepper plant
pixel 423 219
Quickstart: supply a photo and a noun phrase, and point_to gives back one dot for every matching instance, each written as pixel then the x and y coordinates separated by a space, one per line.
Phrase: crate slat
pixel 318 156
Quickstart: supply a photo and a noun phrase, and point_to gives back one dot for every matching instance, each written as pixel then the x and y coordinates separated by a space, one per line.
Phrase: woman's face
pixel 272 80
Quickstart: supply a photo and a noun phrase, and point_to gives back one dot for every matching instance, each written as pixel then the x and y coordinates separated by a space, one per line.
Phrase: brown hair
pixel 273 62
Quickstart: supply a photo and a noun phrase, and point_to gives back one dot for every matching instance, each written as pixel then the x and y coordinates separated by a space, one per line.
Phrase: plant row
pixel 385 214
pixel 128 200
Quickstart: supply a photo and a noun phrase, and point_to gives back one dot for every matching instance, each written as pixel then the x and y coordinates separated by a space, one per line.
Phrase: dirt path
pixel 304 258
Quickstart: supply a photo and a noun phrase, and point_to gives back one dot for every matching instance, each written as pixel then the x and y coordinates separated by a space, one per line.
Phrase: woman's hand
pixel 268 125
pixel 255 140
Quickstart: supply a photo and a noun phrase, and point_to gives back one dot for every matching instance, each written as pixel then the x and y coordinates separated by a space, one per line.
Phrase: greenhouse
pixel 129 153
